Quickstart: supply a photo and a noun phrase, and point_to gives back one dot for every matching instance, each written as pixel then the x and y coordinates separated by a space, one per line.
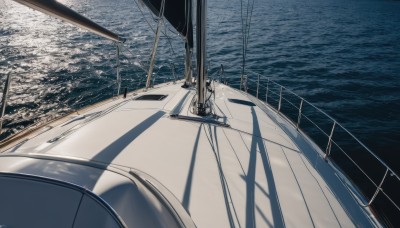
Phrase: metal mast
pixel 201 57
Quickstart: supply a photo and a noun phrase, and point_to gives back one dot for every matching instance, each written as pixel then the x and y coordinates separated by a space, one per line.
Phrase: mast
pixel 201 57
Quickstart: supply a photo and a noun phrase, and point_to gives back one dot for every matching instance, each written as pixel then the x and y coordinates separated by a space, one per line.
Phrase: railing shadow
pixel 348 154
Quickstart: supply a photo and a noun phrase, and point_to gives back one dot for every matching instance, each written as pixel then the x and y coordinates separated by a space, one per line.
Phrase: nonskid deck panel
pixel 250 173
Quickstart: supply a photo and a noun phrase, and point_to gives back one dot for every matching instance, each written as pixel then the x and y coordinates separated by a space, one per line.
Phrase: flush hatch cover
pixel 151 97
pixel 241 102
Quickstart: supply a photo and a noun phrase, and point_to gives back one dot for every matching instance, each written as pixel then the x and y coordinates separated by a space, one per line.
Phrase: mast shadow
pixel 189 179
pixel 213 140
pixel 224 183
pixel 69 171
pixel 324 169
pixel 108 154
pixel 257 142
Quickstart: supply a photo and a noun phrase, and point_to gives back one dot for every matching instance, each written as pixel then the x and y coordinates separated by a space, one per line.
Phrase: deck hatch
pixel 242 102
pixel 152 97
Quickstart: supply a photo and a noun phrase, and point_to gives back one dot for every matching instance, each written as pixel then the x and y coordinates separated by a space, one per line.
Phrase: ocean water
pixel 341 55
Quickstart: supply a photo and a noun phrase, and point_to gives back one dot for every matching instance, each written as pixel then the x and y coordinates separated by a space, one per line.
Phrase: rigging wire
pixel 127 49
pixel 141 11
pixel 246 22
pixel 249 17
pixel 164 32
pixel 155 45
pixel 168 39
pixel 155 19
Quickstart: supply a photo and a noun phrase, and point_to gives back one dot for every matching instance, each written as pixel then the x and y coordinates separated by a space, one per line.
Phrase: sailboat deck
pixel 253 169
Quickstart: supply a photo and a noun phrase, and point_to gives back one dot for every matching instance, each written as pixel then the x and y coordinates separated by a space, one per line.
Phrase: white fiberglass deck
pixel 259 171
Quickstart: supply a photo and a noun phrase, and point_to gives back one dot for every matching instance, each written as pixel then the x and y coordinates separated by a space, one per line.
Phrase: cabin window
pixel 29 201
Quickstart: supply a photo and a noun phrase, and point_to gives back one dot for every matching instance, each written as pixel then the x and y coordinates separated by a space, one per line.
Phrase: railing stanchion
pixel 258 84
pixel 125 92
pixel 266 93
pixel 246 83
pixel 221 73
pixel 280 99
pixel 4 100
pixel 173 71
pixel 299 117
pixel 329 145
pixel 378 189
pixel 241 81
pixel 118 76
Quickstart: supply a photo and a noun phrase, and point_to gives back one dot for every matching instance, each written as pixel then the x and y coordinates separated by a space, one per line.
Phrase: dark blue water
pixel 342 55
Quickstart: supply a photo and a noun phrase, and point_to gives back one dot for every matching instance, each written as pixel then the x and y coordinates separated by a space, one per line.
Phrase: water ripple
pixel 342 55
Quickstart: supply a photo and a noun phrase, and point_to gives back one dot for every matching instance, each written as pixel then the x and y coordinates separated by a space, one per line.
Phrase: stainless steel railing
pixel 4 100
pixel 330 142
pixel 277 94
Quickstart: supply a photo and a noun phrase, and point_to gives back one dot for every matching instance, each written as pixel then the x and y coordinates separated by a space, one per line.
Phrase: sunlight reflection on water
pixel 57 67
pixel 342 55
